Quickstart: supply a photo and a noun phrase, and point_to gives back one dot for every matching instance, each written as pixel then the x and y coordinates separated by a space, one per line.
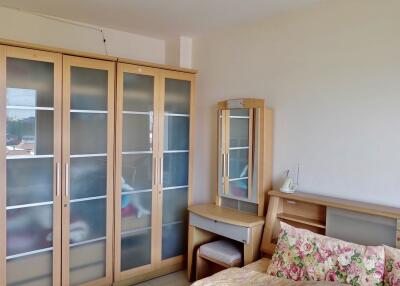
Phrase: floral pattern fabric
pixel 302 255
pixel 244 277
pixel 392 266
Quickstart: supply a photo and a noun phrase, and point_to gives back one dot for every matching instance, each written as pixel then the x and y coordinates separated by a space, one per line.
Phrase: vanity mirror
pixel 244 154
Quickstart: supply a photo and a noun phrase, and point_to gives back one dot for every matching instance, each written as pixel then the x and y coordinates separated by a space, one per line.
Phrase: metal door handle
pixel 223 165
pixel 154 170
pixel 66 179
pixel 227 163
pixel 58 179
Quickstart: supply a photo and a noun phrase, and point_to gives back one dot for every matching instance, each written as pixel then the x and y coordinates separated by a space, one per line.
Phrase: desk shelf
pixel 302 220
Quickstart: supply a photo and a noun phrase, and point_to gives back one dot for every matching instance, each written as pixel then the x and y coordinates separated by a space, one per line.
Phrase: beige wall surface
pixel 331 72
pixel 31 28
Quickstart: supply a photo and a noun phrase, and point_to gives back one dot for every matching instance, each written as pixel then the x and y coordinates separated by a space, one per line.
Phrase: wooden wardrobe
pixel 94 168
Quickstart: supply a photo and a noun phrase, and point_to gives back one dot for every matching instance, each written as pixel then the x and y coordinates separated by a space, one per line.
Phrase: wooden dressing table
pixel 208 221
pixel 244 176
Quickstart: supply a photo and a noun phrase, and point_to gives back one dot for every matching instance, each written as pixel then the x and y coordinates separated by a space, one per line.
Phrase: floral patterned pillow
pixel 392 266
pixel 303 255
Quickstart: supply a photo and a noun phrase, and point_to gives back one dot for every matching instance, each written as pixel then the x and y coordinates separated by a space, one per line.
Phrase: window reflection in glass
pixel 238 163
pixel 29 132
pixel 21 97
pixel 26 78
pixel 239 132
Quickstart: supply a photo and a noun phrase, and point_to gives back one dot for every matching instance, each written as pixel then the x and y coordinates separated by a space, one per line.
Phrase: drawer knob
pixel 215 221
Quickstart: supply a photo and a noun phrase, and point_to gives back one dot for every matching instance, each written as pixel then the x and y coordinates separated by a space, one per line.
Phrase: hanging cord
pixel 104 41
pixel 66 21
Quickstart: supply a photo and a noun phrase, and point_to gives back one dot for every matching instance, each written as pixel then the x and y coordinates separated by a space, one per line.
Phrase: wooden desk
pixel 206 222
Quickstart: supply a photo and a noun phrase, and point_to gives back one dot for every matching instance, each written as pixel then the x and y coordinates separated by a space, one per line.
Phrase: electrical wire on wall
pixel 104 41
pixel 61 20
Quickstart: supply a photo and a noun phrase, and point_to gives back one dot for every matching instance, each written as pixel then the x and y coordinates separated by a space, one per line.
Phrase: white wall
pixel 331 72
pixel 179 52
pixel 25 27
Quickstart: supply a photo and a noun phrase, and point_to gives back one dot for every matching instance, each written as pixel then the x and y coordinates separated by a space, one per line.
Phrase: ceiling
pixel 160 18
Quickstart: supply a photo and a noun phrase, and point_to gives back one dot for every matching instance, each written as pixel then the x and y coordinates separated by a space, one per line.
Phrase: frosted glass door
pixel 88 174
pixel 136 139
pixel 238 147
pixel 175 180
pixel 33 148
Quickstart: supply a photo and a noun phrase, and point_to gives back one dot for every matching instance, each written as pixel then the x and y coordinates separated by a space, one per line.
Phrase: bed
pixel 242 276
pixel 302 211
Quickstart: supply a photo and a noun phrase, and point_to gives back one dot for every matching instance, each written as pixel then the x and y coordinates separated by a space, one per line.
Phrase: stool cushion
pixel 223 251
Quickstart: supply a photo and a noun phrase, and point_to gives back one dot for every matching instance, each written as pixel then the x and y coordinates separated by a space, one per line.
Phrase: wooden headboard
pixel 309 211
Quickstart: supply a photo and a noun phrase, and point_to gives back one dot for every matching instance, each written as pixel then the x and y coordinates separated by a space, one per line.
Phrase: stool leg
pixel 201 267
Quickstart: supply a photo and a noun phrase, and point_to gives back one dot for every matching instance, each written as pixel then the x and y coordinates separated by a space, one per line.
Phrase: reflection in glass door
pixel 33 156
pixel 135 171
pixel 239 152
pixel 175 179
pixel 88 135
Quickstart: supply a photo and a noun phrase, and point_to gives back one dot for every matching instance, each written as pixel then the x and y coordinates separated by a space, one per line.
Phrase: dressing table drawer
pixel 235 232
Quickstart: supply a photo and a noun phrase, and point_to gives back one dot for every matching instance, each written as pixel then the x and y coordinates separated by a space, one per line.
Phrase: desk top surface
pixel 227 215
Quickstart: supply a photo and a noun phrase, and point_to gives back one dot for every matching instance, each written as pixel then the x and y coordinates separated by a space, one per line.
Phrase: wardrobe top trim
pixel 93 55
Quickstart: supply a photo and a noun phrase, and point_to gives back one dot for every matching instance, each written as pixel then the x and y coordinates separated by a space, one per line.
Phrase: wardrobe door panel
pixel 135 249
pixel 177 121
pixel 88 133
pixel 88 177
pixel 88 262
pixel 37 270
pixel 29 83
pixel 30 167
pixel 88 136
pixel 136 211
pixel 176 133
pixel 89 90
pixel 175 204
pixel 29 229
pixel 29 132
pixel 176 173
pixel 177 95
pixel 135 241
pixel 29 181
pixel 88 221
pixel 138 92
pixel 133 125
pixel 137 172
pixel 174 239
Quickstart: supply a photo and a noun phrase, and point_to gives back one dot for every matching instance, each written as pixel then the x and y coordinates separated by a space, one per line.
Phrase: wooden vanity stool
pixel 215 256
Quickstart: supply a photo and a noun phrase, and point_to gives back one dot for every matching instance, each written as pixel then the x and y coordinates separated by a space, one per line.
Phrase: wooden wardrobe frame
pixel 157 266
pixel 68 62
pixel 56 59
pixel 62 58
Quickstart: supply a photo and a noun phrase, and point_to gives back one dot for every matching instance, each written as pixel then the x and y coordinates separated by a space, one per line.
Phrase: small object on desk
pixel 288 185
